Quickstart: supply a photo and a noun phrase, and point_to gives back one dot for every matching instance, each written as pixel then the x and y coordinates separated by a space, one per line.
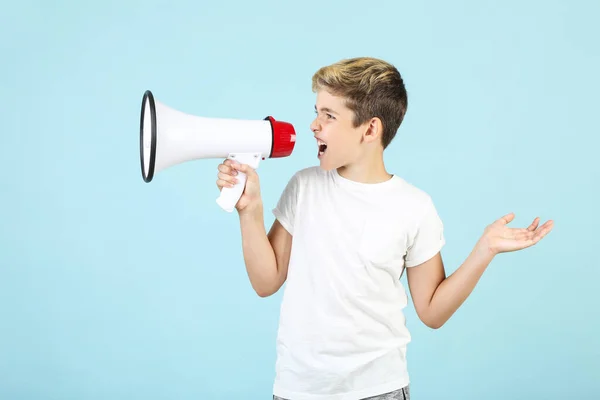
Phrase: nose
pixel 314 126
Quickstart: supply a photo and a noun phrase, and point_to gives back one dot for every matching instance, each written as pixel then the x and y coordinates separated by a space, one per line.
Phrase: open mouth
pixel 322 147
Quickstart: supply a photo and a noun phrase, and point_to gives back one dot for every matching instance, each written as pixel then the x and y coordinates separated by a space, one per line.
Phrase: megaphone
pixel 169 137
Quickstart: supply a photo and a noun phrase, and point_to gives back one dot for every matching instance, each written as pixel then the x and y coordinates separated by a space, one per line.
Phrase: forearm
pixel 259 257
pixel 454 290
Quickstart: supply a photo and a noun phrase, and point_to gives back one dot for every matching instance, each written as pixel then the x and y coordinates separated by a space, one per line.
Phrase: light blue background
pixel 111 288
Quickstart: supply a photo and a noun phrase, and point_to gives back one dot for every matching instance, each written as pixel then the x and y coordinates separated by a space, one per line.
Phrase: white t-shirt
pixel 342 332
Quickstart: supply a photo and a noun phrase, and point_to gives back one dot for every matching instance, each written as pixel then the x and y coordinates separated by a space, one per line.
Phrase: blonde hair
pixel 371 88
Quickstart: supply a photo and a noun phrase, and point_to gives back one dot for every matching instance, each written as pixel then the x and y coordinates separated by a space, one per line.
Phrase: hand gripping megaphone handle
pixel 230 196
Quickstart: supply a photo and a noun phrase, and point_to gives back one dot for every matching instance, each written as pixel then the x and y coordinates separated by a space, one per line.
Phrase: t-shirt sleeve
pixel 429 238
pixel 285 210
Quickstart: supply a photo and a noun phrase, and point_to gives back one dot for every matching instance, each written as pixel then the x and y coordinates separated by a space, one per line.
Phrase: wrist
pixel 252 211
pixel 484 249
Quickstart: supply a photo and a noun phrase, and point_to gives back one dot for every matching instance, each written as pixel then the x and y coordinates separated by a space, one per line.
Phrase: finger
pixel 534 224
pixel 544 229
pixel 227 169
pixel 532 237
pixel 548 224
pixel 227 178
pixel 245 168
pixel 221 183
pixel 525 239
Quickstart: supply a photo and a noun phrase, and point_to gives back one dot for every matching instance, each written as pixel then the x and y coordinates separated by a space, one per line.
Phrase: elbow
pixel 433 323
pixel 266 291
pixel 268 288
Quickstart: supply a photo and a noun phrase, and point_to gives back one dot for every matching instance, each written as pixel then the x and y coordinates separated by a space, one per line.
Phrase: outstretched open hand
pixel 499 238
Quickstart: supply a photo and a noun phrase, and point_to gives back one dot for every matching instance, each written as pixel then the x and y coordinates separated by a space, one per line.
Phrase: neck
pixel 369 169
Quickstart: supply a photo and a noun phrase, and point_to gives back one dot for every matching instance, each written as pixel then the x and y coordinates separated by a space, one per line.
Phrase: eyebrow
pixel 325 109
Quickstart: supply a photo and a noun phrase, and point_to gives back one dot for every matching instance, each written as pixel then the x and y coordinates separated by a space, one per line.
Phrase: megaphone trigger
pixel 229 197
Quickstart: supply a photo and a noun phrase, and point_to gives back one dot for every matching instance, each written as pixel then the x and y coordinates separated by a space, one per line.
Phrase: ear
pixel 373 130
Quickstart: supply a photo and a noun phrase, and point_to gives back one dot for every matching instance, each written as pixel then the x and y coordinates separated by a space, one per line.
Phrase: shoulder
pixel 411 192
pixel 299 181
pixel 414 197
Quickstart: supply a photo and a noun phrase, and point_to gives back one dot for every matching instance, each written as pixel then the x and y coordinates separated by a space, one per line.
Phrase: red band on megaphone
pixel 284 138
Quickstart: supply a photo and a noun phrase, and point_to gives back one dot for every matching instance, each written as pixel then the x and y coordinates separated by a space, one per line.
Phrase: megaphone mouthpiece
pixel 169 137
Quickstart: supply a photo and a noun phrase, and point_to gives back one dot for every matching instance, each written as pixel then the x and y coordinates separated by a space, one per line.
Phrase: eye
pixel 329 116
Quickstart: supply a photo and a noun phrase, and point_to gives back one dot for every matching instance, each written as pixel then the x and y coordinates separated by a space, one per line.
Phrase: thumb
pixel 506 219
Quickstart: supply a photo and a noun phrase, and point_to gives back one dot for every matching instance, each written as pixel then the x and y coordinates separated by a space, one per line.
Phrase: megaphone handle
pixel 230 196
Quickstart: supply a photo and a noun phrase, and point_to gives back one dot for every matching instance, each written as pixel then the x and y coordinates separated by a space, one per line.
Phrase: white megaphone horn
pixel 169 137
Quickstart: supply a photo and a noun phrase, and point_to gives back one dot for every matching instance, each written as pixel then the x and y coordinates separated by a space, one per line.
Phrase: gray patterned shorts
pixel 400 394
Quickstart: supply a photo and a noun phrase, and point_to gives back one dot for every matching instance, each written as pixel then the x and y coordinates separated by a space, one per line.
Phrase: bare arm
pixel 266 256
pixel 436 298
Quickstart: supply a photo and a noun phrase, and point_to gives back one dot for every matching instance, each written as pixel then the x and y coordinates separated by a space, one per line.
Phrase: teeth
pixel 322 146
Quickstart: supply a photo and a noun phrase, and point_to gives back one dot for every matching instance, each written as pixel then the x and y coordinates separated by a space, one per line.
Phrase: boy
pixel 343 235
